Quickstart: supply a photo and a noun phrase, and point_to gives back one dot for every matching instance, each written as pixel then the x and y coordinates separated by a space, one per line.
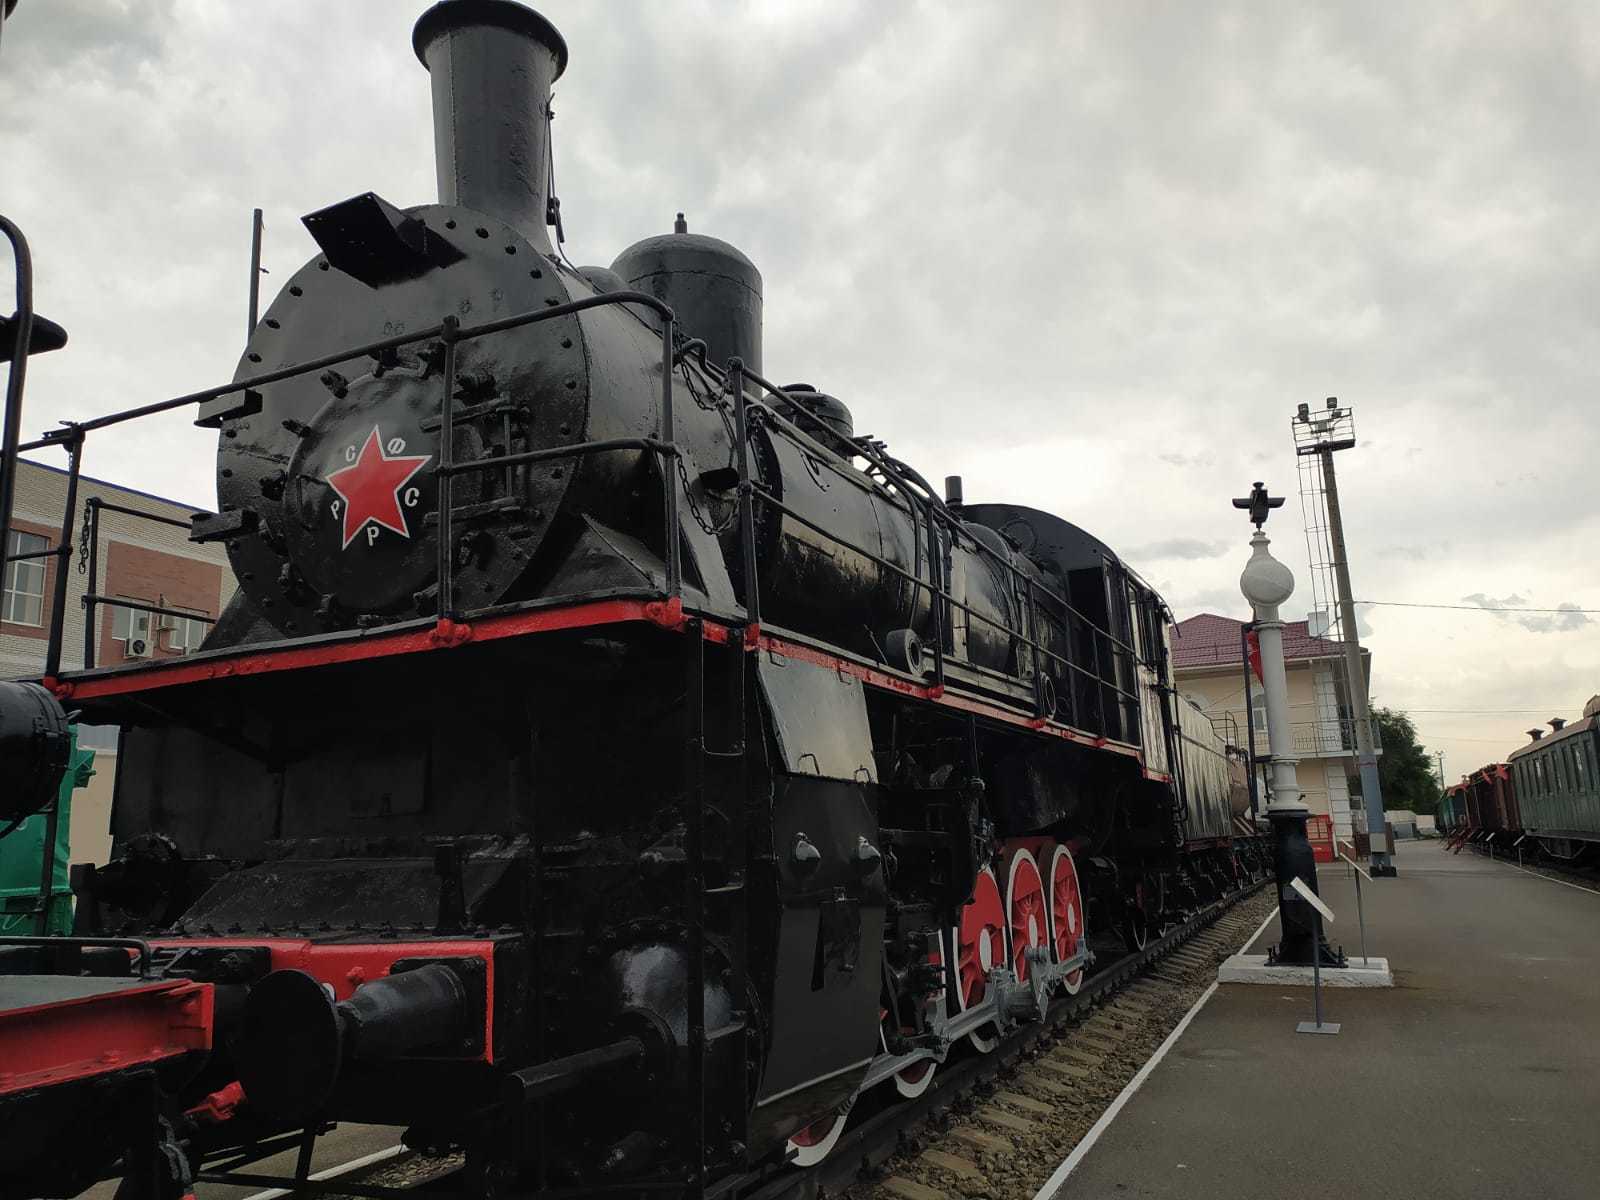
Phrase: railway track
pixel 1584 875
pixel 992 1125
pixel 996 1125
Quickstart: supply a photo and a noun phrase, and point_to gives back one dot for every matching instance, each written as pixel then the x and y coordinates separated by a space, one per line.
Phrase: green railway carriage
pixel 1452 809
pixel 1557 779
pixel 22 854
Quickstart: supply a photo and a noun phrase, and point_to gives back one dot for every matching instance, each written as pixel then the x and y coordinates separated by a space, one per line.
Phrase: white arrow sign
pixel 1311 898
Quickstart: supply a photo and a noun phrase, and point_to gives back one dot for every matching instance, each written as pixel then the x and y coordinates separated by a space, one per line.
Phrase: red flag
pixel 1253 644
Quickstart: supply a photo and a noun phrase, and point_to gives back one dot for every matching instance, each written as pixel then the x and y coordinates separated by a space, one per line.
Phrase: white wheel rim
pixel 810 1155
pixel 1072 982
pixel 1017 860
pixel 912 1088
pixel 983 1042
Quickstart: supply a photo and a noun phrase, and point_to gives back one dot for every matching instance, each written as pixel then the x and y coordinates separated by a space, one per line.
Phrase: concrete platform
pixel 1477 1075
pixel 1254 968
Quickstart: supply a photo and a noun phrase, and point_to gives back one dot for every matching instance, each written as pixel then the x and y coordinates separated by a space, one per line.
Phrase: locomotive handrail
pixel 894 470
pixel 73 436
pixel 768 498
pixel 368 349
pixel 523 457
pixel 938 595
pixel 92 597
pixel 916 491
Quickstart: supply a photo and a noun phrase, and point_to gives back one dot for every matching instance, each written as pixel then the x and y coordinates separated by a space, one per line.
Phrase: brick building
pixel 1208 665
pixel 143 561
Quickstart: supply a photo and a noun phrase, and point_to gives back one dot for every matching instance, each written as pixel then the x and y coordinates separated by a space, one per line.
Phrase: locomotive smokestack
pixel 492 63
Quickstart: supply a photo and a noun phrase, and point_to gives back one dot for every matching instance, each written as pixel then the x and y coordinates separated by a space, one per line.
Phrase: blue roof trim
pixel 33 462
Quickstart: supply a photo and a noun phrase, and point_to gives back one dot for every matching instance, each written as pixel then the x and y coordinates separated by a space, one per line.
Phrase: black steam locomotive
pixel 610 764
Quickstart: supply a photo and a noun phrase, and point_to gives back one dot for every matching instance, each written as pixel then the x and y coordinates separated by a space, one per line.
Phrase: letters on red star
pixel 370 488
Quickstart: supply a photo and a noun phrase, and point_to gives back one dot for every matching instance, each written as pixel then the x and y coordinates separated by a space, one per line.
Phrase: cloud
pixel 1179 547
pixel 1567 617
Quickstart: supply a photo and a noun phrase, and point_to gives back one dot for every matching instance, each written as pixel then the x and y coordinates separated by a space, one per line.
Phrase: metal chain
pixel 715 529
pixel 83 539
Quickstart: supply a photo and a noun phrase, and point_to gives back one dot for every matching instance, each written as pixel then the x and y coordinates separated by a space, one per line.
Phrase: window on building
pixel 184 634
pixel 24 598
pixel 131 627
pixel 98 737
pixel 1258 711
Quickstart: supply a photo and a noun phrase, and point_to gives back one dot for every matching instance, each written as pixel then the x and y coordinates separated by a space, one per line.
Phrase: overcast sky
pixel 1090 257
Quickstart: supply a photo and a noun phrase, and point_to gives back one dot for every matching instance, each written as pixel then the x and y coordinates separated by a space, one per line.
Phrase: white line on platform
pixel 1553 879
pixel 1070 1164
pixel 355 1164
pixel 1260 929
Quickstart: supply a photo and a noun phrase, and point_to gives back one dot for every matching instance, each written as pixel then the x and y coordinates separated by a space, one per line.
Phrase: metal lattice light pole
pixel 1266 584
pixel 1317 435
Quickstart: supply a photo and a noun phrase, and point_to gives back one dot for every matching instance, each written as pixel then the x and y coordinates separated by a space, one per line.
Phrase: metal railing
pixel 89 555
pixel 1330 737
pixel 449 332
pixel 934 512
pixel 1093 688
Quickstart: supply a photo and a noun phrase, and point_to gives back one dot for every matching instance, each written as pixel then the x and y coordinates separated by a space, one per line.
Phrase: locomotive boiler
pixel 611 764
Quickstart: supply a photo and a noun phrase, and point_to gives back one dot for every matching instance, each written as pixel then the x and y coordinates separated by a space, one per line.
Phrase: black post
pixel 91 610
pixel 255 272
pixel 669 465
pixel 22 332
pixel 47 867
pixel 1249 723
pixel 450 330
pixel 1293 858
pixel 747 517
pixel 302 1163
pixel 694 901
pixel 63 555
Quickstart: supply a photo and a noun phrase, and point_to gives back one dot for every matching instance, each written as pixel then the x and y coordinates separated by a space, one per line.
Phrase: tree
pixel 1405 772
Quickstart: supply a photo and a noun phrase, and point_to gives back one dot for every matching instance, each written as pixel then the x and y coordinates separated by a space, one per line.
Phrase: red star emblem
pixel 370 488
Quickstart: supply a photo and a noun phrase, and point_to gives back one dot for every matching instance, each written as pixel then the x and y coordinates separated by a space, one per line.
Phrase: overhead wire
pixel 1489 608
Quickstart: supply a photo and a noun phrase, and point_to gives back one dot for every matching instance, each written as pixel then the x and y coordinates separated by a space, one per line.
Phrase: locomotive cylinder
pixel 293 1039
pixel 34 743
pixel 491 103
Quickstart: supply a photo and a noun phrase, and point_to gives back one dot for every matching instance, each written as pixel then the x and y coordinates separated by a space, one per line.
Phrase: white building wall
pixel 1339 798
pixel 1325 698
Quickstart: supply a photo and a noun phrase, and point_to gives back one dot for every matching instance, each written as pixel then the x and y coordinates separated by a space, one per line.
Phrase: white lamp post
pixel 1266 584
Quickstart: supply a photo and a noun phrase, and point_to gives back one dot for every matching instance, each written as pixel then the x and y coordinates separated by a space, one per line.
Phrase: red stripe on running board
pixel 446 634
pixel 442 635
pixel 941 696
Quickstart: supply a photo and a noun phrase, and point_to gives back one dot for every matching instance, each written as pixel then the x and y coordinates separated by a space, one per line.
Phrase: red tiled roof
pixel 1208 640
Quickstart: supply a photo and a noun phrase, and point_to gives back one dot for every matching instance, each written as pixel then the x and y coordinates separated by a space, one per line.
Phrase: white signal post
pixel 1266 583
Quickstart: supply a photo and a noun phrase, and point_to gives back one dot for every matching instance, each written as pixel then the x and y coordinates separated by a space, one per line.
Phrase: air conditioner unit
pixel 138 648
